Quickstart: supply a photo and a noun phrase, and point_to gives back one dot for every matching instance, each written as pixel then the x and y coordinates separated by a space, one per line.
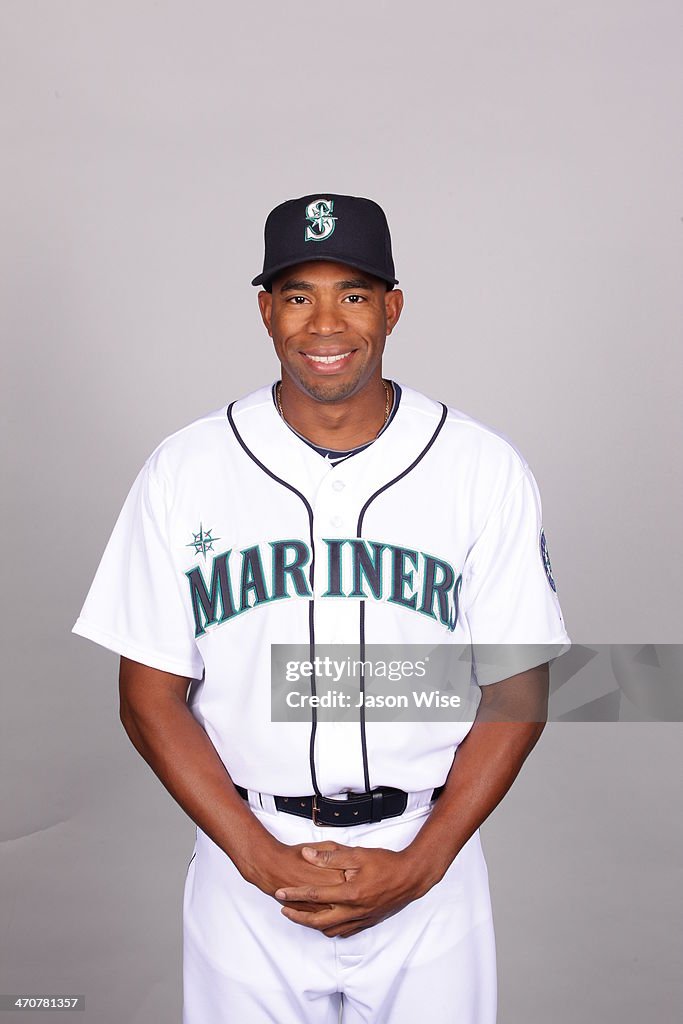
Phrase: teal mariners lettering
pixel 351 568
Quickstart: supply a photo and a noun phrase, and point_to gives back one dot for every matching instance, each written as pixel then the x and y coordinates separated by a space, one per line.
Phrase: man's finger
pixel 345 932
pixel 319 919
pixel 310 907
pixel 342 857
pixel 337 917
pixel 339 893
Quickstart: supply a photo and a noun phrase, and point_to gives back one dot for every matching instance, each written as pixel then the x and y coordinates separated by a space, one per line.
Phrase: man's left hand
pixel 378 884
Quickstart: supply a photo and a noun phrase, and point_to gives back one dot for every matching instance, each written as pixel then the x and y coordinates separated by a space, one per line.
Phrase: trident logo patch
pixel 322 224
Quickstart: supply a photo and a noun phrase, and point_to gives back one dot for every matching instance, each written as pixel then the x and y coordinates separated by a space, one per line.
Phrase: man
pixel 337 863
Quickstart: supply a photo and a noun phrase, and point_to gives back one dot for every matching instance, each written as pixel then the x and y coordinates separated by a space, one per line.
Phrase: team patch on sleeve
pixel 546 561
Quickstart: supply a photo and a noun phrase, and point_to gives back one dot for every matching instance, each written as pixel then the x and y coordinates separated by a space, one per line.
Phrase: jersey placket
pixel 338 751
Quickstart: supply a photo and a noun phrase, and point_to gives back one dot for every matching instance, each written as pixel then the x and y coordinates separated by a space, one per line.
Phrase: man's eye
pixel 354 298
pixel 297 299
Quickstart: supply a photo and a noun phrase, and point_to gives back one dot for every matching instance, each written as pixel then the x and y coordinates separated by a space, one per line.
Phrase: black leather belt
pixel 358 809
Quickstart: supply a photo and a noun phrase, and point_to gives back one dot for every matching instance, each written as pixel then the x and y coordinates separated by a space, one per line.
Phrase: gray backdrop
pixel 528 157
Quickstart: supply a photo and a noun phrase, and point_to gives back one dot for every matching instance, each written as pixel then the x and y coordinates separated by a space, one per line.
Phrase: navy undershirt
pixel 333 456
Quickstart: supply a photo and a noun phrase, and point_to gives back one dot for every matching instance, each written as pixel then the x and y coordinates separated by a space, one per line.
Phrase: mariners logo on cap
pixel 321 224
pixel 546 561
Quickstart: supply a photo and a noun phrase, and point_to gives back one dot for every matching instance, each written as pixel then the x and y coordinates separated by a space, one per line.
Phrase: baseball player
pixel 337 864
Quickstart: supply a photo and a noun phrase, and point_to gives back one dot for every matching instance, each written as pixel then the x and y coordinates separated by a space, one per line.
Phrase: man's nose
pixel 327 317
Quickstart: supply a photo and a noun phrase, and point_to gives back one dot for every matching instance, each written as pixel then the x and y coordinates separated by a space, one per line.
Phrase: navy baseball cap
pixel 325 226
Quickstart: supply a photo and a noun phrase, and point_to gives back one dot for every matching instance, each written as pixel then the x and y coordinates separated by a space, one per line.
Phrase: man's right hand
pixel 276 866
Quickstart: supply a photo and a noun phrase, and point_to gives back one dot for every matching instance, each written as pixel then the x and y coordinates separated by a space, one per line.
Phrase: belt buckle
pixel 315 811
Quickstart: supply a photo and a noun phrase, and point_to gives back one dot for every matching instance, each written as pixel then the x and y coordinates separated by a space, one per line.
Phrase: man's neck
pixel 338 425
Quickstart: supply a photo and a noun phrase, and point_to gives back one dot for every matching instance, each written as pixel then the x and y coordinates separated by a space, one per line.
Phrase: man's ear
pixel 265 303
pixel 393 304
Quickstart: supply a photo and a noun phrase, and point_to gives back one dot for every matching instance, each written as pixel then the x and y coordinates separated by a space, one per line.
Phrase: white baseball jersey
pixel 237 535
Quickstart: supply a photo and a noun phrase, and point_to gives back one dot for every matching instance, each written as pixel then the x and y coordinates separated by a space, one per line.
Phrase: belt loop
pixel 254 799
pixel 377 805
pixel 268 803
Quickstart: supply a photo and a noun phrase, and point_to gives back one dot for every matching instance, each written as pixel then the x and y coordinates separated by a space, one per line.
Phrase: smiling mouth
pixel 334 360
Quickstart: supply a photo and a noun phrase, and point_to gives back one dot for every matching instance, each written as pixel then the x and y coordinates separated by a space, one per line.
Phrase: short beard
pixel 329 393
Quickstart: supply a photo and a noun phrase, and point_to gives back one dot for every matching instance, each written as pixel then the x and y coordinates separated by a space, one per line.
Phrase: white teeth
pixel 329 359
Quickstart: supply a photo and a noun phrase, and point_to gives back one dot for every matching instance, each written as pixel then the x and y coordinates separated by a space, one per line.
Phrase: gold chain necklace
pixel 387 406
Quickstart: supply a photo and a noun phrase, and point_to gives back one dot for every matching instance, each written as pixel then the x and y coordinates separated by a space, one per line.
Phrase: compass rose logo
pixel 203 541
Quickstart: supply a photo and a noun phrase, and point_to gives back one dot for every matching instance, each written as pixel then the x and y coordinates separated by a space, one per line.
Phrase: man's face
pixel 329 323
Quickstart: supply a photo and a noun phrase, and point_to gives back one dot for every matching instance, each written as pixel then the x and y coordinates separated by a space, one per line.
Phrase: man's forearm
pixel 180 753
pixel 486 764
pixel 163 729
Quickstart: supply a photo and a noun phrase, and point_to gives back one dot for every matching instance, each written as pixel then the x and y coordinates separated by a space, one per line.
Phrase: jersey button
pixel 336 520
pixel 338 485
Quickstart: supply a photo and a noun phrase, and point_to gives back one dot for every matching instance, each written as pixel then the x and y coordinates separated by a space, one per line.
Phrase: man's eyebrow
pixel 354 282
pixel 295 285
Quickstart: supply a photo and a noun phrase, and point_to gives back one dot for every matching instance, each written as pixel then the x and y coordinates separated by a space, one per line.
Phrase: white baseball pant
pixel 244 963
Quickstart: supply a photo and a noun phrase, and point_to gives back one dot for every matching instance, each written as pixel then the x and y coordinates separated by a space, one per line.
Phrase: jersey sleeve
pixel 510 599
pixel 135 604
